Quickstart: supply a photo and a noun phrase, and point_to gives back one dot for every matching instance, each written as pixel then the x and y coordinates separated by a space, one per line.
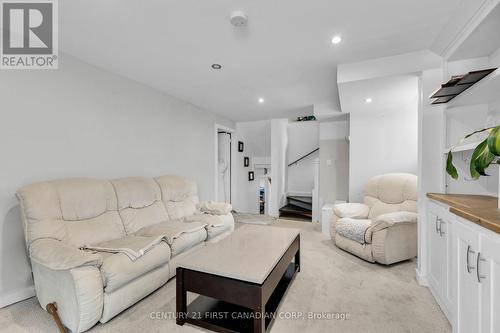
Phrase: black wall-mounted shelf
pixel 458 84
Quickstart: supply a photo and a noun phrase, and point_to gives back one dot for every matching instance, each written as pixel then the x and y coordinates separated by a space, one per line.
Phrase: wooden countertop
pixel 480 209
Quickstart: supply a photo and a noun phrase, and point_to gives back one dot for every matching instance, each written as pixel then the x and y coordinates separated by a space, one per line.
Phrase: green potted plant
pixel 486 153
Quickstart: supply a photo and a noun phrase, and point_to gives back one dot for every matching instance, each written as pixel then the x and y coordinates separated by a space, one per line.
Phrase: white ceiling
pixel 483 41
pixel 284 55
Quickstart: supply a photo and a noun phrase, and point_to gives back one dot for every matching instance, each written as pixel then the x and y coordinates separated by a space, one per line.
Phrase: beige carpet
pixel 253 218
pixel 376 298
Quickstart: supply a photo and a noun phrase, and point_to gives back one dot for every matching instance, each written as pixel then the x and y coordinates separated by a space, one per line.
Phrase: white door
pixel 224 167
pixel 488 277
pixel 467 308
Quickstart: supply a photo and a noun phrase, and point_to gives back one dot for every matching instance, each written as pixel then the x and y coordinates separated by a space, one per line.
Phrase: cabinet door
pixel 488 278
pixel 467 301
pixel 436 253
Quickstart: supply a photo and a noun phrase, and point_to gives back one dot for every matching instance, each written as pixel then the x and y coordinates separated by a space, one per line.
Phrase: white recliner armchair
pixel 383 229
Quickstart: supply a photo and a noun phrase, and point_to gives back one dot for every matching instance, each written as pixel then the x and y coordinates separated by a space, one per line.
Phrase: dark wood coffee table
pixel 240 280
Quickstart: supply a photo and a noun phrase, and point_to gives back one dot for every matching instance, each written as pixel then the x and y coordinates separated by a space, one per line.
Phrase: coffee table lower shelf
pixel 227 317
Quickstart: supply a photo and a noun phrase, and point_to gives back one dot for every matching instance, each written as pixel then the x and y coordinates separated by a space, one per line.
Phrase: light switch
pixel 328 162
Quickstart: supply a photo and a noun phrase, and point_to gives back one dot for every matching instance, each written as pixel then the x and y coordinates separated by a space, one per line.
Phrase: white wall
pixel 334 161
pixel 256 136
pixel 383 133
pixel 303 137
pixel 80 121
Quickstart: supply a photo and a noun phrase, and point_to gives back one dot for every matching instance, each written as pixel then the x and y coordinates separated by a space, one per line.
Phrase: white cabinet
pixel 478 279
pixel 440 230
pixel 467 304
pixel 463 270
pixel 488 277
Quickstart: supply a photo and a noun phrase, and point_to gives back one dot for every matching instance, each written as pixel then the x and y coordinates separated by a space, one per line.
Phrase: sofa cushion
pixel 139 203
pixel 391 193
pixel 180 235
pixel 77 211
pixel 117 269
pixel 179 195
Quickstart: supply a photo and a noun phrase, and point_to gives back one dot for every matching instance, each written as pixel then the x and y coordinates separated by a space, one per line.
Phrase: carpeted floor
pixel 253 218
pixel 375 298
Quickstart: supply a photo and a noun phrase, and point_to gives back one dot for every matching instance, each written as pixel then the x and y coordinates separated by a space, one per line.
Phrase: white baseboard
pixel 421 279
pixel 17 296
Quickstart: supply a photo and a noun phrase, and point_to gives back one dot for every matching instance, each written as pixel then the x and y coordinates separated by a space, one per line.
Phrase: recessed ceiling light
pixel 368 100
pixel 336 39
pixel 261 100
pixel 216 66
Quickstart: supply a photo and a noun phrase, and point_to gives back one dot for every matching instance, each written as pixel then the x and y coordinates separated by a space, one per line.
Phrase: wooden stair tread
pixel 304 199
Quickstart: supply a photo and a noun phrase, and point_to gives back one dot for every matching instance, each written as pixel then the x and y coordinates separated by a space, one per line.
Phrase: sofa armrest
pixel 215 208
pixel 77 292
pixel 352 210
pixel 390 219
pixel 57 255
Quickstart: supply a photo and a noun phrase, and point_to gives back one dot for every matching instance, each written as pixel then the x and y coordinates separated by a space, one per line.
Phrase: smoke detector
pixel 238 18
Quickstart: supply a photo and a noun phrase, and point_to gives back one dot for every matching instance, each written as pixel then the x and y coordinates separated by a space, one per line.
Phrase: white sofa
pixel 383 229
pixel 62 216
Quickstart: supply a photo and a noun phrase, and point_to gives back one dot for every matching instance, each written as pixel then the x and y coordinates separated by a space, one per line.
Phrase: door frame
pixel 221 128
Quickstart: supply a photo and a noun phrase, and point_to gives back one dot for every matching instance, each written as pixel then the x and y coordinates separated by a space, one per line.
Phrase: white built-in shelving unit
pixel 477 107
pixel 462 147
pixel 446 240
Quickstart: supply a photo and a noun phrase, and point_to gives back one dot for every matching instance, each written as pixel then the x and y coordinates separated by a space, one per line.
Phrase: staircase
pixel 299 207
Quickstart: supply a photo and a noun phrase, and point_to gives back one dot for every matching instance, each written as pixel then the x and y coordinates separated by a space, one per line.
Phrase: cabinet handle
pixel 469 267
pixel 441 232
pixel 437 224
pixel 479 259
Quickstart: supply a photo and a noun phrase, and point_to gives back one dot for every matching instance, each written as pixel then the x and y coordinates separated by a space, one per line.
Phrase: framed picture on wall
pixel 246 161
pixel 251 176
pixel 240 146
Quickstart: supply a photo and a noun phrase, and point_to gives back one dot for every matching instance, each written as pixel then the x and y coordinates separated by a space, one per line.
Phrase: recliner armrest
pixel 351 210
pixel 215 208
pixel 387 220
pixel 57 255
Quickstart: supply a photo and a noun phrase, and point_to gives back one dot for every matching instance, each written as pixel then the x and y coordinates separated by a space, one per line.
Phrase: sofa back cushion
pixel 78 211
pixel 139 203
pixel 391 193
pixel 179 195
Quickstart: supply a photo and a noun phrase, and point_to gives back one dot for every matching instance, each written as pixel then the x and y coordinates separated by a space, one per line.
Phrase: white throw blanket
pixel 132 246
pixel 207 219
pixel 354 229
pixel 215 208
pixel 170 230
